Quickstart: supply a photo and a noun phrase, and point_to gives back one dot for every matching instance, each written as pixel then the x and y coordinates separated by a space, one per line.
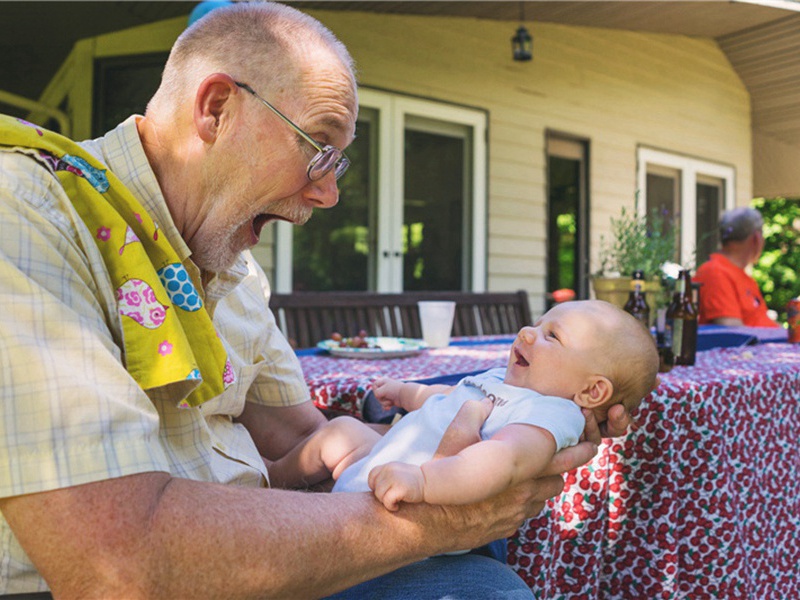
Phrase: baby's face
pixel 559 353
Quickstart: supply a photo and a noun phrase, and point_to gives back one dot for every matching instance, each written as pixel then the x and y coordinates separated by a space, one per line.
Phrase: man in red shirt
pixel 729 296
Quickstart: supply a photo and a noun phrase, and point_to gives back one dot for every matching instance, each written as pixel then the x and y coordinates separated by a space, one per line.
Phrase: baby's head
pixel 589 351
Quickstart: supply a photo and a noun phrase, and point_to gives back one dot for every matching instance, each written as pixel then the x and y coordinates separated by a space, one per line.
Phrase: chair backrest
pixel 308 317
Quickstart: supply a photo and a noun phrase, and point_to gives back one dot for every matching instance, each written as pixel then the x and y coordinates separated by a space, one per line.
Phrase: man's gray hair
pixel 738 224
pixel 261 43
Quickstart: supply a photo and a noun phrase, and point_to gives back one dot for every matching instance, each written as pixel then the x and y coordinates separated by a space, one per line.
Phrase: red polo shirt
pixel 728 291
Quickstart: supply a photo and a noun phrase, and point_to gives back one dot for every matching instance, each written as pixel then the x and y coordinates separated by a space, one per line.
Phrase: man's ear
pixel 210 104
pixel 597 391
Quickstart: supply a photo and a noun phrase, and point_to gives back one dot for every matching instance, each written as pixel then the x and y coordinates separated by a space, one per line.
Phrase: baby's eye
pixel 552 334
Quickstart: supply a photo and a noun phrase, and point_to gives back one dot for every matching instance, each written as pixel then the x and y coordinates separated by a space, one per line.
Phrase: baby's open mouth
pixel 521 360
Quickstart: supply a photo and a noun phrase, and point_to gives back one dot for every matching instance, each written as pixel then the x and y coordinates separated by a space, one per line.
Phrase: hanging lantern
pixel 522 44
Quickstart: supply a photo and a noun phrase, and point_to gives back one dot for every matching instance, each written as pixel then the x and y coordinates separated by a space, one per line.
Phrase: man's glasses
pixel 328 157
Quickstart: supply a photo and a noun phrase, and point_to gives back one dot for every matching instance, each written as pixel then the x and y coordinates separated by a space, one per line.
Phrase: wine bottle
pixel 682 321
pixel 637 300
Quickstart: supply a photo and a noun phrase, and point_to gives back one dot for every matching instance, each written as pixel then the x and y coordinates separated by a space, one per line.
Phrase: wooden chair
pixel 308 317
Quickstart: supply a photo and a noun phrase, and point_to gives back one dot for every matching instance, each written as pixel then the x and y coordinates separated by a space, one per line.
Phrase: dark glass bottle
pixel 637 300
pixel 682 321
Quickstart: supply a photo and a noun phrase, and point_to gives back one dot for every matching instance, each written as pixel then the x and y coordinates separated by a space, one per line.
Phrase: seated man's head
pixel 589 351
pixel 740 231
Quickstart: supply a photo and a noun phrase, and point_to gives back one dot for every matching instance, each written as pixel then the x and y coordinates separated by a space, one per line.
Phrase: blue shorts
pixel 465 577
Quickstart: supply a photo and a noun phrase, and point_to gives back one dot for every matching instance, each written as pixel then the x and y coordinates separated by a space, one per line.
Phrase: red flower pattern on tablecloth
pixel 699 502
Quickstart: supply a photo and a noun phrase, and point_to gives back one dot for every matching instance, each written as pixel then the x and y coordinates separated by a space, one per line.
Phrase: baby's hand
pixel 397 482
pixel 387 391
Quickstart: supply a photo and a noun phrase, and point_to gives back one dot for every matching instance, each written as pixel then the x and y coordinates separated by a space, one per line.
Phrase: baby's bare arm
pixel 407 395
pixel 325 453
pixel 516 453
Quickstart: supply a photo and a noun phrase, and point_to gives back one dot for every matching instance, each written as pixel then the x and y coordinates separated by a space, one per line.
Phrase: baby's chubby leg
pixel 324 454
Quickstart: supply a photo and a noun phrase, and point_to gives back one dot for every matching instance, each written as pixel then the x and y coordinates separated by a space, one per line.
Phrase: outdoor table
pixel 699 500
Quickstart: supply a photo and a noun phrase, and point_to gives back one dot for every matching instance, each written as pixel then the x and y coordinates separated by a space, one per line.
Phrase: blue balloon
pixel 204 8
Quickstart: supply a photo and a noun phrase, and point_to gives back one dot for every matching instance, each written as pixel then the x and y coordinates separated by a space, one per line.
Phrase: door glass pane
pixel 433 211
pixel 335 250
pixel 663 196
pixel 709 198
pixel 562 220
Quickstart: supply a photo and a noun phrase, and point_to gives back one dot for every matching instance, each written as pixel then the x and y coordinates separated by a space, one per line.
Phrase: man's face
pixel 759 243
pixel 261 172
pixel 558 354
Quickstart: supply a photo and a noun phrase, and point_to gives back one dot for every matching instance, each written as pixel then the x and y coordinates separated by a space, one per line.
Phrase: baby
pixel 587 354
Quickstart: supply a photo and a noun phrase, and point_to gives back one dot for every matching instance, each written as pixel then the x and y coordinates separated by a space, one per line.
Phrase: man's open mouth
pixel 521 360
pixel 263 219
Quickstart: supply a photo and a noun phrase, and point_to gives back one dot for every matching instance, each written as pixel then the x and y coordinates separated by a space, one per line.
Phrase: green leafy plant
pixel 638 242
pixel 777 270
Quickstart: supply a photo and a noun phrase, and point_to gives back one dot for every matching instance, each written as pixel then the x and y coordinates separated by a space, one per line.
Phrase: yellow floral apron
pixel 162 314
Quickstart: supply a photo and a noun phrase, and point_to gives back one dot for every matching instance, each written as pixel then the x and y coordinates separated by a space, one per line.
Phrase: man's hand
pixel 617 423
pixel 498 517
pixel 397 482
pixel 387 391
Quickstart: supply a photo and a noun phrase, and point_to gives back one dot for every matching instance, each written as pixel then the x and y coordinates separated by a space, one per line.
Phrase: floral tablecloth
pixel 340 384
pixel 700 501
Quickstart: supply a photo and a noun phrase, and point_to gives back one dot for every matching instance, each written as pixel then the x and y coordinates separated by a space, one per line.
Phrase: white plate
pixel 388 347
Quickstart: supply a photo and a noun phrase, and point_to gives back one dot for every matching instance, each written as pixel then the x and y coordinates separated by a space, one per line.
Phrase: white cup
pixel 436 318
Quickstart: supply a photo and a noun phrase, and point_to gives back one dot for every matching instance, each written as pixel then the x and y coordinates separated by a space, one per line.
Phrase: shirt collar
pixel 121 149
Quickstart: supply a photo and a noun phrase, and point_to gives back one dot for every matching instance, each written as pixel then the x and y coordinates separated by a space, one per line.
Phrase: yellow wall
pixel 620 90
pixel 617 89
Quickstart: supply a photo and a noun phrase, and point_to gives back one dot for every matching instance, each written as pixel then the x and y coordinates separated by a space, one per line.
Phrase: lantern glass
pixel 522 44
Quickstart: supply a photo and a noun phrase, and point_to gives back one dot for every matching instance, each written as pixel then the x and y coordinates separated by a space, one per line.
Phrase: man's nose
pixel 324 192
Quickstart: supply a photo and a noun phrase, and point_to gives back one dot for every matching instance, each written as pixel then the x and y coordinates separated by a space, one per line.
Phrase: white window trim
pixel 690 169
pixel 392 110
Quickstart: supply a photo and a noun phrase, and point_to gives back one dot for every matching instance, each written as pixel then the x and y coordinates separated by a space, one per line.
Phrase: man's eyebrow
pixel 333 122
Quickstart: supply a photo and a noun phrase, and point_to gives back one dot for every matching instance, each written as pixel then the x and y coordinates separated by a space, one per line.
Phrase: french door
pixel 412 207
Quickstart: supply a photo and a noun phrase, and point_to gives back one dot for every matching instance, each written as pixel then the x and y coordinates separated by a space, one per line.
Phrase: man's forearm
pixel 151 536
pixel 271 542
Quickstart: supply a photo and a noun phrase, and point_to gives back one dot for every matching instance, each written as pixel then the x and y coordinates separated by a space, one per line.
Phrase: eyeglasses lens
pixel 329 158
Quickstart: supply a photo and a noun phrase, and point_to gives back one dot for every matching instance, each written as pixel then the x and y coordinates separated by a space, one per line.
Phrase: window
pixel 411 214
pixel 692 191
pixel 567 215
pixel 123 86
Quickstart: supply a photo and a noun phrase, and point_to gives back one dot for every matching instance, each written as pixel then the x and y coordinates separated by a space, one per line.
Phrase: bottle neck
pixel 686 285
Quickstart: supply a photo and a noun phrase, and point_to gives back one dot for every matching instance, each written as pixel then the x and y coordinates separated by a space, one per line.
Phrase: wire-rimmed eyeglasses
pixel 328 157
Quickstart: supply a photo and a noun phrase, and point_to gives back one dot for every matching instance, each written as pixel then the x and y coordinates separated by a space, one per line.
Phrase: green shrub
pixel 776 272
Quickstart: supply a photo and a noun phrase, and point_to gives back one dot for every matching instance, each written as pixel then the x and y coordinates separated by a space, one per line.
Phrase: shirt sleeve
pixel 69 412
pixel 561 417
pixel 277 377
pixel 718 295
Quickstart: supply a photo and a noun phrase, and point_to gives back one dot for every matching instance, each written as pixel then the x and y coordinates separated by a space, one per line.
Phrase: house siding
pixel 617 89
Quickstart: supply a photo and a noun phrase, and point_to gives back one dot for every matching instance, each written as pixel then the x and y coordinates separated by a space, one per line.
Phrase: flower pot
pixel 616 290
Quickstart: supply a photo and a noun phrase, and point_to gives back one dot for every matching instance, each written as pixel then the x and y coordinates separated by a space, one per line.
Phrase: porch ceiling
pixel 760 37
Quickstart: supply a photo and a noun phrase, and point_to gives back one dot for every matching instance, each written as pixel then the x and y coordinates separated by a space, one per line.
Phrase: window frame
pixel 392 112
pixel 690 168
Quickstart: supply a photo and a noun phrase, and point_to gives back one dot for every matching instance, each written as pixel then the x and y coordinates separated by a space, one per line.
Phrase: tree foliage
pixel 777 270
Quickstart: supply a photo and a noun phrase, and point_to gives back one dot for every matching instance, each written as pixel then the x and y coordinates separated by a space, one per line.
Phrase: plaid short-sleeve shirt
pixel 69 412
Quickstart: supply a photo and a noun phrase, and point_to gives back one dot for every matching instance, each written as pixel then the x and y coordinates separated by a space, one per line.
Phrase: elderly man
pixel 729 296
pixel 145 386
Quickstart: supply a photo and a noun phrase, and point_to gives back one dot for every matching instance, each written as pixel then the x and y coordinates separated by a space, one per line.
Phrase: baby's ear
pixel 597 391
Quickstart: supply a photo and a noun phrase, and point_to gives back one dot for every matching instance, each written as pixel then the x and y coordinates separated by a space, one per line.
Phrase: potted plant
pixel 637 243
